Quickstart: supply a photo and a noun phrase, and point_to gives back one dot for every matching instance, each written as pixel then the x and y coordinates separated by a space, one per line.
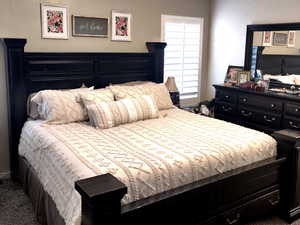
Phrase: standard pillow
pixel 60 107
pixel 96 96
pixel 32 106
pixel 134 83
pixel 159 91
pixel 110 114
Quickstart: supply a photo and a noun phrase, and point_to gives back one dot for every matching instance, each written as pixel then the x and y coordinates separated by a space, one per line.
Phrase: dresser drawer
pixel 292 109
pixel 268 104
pixel 225 108
pixel 262 206
pixel 291 123
pixel 259 117
pixel 226 96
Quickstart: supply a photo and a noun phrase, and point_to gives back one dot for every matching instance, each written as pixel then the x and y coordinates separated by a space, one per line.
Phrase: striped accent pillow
pixel 110 114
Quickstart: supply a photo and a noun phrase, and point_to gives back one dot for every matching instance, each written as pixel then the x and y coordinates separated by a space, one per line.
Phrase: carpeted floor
pixel 16 209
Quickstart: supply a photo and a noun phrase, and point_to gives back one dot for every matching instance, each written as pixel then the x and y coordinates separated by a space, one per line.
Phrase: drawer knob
pixel 269 120
pixel 244 99
pixel 227 97
pixel 237 218
pixel 273 106
pixel 296 110
pixel 293 125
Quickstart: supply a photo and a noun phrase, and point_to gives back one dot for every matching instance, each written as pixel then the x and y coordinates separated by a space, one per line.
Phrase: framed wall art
pixel 267 38
pixel 89 26
pixel 121 26
pixel 232 74
pixel 54 21
pixel 291 39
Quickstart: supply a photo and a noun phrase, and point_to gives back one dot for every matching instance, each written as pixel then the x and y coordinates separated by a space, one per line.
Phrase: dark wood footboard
pixel 233 197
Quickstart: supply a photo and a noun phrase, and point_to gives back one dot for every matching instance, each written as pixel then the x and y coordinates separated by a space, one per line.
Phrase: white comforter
pixel 149 156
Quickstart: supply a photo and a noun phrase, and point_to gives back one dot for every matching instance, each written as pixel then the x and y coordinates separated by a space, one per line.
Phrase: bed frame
pixel 230 198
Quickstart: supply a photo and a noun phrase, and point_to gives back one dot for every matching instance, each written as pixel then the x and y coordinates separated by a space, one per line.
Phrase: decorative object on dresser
pixel 173 90
pixel 243 77
pixel 232 74
pixel 54 21
pixel 121 26
pixel 89 26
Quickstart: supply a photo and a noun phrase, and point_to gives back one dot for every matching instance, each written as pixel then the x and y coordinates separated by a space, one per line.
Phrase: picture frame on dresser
pixel 232 74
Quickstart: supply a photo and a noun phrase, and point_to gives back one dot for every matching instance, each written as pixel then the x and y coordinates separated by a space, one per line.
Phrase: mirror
pixel 273 52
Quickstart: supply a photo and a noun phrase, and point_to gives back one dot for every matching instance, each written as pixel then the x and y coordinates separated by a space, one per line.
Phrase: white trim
pixel 5 175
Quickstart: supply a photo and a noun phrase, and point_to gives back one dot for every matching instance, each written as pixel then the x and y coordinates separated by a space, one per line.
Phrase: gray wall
pixel 229 19
pixel 21 19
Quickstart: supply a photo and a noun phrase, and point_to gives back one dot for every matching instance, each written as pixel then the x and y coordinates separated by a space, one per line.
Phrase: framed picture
pixel 243 77
pixel 89 26
pixel 291 39
pixel 232 74
pixel 267 38
pixel 280 39
pixel 54 22
pixel 121 26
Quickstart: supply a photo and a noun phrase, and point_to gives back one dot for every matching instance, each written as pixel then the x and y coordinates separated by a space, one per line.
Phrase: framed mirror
pixel 273 52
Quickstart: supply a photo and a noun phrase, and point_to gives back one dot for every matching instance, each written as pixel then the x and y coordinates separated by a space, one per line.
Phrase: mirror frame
pixel 263 27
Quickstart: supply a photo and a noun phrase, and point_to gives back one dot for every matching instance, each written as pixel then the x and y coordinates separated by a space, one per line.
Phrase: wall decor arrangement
pixel 121 26
pixel 90 26
pixel 54 21
pixel 267 38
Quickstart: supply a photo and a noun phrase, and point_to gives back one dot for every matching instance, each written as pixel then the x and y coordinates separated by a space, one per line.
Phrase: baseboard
pixel 4 175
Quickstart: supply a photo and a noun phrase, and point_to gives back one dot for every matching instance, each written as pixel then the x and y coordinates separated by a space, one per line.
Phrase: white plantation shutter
pixel 182 54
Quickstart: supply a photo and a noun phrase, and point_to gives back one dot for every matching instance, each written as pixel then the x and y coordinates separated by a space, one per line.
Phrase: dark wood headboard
pixel 32 72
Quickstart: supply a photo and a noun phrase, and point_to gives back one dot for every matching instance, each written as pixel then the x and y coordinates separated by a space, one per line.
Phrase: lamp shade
pixel 171 84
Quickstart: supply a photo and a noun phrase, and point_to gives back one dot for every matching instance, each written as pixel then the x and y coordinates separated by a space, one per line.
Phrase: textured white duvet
pixel 149 156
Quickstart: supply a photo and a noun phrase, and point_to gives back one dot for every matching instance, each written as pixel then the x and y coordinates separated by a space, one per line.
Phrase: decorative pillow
pixel 110 114
pixel 96 96
pixel 32 106
pixel 134 83
pixel 59 106
pixel 159 91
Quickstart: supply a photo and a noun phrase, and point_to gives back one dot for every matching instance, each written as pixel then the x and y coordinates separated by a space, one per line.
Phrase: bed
pixel 213 174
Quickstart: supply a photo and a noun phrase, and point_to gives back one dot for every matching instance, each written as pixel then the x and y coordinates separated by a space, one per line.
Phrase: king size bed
pixel 175 168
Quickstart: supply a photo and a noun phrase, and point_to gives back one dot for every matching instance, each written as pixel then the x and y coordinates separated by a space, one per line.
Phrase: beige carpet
pixel 16 209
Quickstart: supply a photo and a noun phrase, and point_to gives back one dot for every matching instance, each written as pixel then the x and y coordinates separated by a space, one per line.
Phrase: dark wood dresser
pixel 264 111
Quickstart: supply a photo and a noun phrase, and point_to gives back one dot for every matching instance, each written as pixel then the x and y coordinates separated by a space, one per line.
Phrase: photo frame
pixel 280 39
pixel 267 38
pixel 232 74
pixel 54 21
pixel 243 76
pixel 83 26
pixel 291 39
pixel 121 26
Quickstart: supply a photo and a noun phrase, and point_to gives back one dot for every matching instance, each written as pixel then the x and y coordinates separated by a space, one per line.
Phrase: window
pixel 183 54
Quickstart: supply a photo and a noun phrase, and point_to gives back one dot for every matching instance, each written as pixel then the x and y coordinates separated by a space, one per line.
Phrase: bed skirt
pixel 43 205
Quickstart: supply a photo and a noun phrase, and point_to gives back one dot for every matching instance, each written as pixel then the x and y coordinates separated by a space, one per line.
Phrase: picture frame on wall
pixel 243 77
pixel 84 26
pixel 232 74
pixel 54 21
pixel 121 26
pixel 291 39
pixel 267 38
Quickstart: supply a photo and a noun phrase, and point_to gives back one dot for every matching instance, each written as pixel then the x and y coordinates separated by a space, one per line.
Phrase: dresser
pixel 264 111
